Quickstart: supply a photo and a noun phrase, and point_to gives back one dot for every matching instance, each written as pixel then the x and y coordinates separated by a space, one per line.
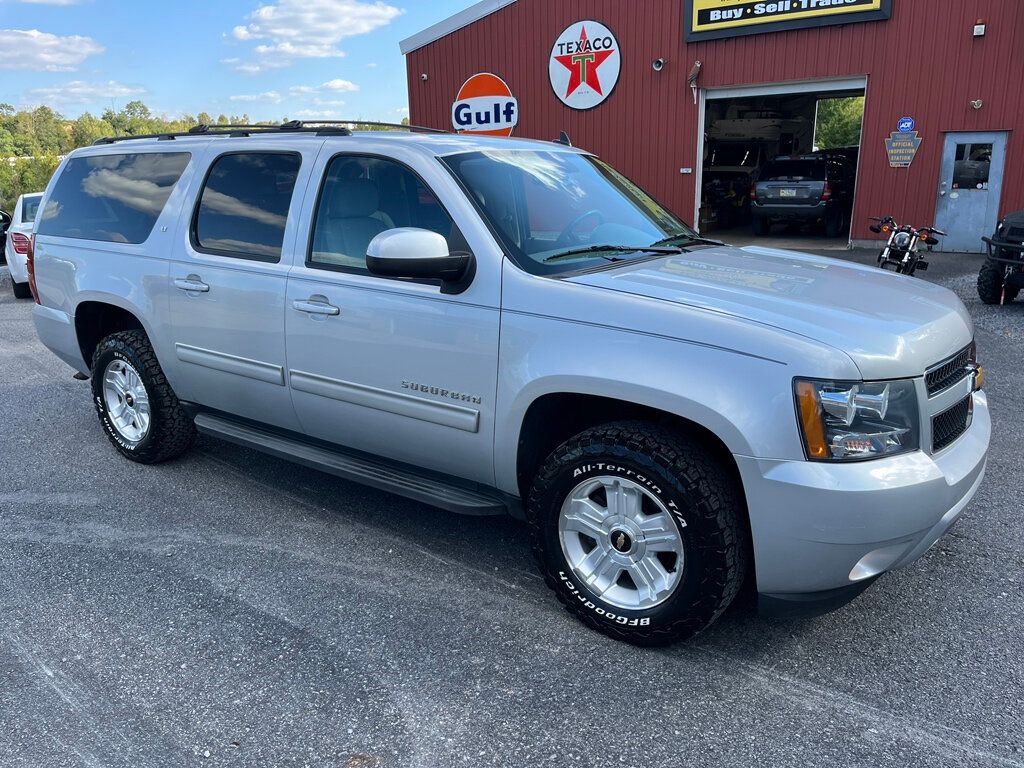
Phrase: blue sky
pixel 270 59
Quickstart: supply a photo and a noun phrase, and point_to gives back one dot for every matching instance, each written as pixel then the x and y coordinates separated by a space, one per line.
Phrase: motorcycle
pixel 900 252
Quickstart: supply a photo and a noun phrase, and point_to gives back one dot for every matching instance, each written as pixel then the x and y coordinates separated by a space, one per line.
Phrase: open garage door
pixel 779 162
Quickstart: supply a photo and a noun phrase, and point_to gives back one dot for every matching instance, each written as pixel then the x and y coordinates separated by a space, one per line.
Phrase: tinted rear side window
pixel 29 208
pixel 112 198
pixel 794 170
pixel 244 206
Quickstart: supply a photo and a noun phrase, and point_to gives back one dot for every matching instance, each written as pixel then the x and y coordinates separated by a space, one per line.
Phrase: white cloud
pixel 80 92
pixel 312 114
pixel 331 86
pixel 306 29
pixel 32 49
pixel 267 97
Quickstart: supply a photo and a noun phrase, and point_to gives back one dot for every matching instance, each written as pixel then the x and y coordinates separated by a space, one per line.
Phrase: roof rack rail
pixel 320 127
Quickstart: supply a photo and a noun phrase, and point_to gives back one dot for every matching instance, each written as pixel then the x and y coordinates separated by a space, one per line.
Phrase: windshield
pixel 542 204
pixel 29 206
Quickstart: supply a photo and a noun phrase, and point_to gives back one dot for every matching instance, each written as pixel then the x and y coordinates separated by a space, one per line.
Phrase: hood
pixel 890 325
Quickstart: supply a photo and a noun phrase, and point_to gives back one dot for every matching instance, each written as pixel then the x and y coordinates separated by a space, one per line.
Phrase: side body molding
pixel 443 414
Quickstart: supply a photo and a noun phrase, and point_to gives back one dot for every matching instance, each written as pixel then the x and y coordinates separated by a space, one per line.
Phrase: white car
pixel 16 249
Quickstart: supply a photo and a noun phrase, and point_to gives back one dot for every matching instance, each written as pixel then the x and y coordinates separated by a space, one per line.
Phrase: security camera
pixel 424 77
pixel 658 65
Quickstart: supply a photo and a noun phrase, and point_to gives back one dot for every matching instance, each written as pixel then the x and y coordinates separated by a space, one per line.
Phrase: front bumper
pixel 819 527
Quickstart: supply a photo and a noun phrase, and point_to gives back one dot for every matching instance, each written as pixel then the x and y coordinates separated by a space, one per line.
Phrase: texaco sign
pixel 585 65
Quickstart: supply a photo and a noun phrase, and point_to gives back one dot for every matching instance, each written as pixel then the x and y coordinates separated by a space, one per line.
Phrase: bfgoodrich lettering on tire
pixel 138 409
pixel 639 532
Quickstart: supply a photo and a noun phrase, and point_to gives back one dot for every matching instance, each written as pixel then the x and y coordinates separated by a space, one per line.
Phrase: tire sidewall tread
pixel 171 431
pixel 690 484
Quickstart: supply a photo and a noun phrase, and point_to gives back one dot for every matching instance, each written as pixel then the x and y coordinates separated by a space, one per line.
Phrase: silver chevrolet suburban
pixel 494 325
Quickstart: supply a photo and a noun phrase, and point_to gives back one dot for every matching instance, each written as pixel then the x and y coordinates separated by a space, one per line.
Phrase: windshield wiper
pixel 597 249
pixel 682 237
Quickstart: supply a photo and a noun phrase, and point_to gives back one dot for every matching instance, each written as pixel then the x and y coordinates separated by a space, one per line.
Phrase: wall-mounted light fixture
pixel 658 65
pixel 977 104
pixel 979 28
pixel 424 77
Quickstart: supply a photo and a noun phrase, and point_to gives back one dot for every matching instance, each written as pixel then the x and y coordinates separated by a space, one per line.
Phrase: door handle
pixel 192 283
pixel 316 305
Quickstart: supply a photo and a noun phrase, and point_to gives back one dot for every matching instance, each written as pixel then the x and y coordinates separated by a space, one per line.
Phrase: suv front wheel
pixel 639 532
pixel 138 409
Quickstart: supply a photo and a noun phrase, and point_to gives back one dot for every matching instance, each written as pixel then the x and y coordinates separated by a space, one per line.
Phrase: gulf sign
pixel 485 106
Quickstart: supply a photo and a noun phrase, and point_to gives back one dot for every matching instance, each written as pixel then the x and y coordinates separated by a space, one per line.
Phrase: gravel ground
pixel 228 609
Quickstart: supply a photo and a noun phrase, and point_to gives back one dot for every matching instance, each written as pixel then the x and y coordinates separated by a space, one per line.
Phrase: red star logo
pixel 583 66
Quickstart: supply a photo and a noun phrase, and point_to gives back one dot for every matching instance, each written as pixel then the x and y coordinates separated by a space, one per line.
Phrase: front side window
pixel 243 209
pixel 111 198
pixel 364 196
pixel 548 207
pixel 29 208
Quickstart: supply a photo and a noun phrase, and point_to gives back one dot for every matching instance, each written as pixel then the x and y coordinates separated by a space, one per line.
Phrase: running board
pixel 366 471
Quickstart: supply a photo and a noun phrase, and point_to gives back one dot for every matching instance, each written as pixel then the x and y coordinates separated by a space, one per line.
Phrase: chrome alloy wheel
pixel 621 542
pixel 126 400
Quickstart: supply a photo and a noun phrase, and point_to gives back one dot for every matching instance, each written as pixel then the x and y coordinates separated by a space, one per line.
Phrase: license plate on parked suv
pixel 787 193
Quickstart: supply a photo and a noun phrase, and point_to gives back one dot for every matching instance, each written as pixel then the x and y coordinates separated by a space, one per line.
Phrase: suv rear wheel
pixel 138 409
pixel 638 531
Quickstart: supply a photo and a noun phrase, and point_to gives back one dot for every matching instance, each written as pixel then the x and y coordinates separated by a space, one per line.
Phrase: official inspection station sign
pixel 902 148
pixel 710 19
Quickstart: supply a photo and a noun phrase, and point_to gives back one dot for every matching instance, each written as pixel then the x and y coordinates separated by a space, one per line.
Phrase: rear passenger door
pixel 228 280
pixel 393 367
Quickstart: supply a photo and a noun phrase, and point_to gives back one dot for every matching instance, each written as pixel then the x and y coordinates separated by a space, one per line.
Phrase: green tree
pixel 87 129
pixel 839 122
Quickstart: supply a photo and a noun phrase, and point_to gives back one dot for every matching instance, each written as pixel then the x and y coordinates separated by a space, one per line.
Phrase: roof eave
pixel 452 24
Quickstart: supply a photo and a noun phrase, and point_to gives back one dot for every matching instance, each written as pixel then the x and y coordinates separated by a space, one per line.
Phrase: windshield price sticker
pixel 706 19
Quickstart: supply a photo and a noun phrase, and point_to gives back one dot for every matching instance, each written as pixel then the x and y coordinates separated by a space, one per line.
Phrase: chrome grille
pixel 949 425
pixel 948 373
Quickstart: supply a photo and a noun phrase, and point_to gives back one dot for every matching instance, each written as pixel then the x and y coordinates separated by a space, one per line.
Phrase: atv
pixel 1002 274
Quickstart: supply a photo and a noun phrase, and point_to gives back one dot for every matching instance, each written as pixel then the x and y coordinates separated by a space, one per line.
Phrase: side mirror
pixel 419 254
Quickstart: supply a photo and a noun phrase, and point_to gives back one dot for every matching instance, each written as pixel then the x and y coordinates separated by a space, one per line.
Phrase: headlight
pixel 850 421
pixel 901 240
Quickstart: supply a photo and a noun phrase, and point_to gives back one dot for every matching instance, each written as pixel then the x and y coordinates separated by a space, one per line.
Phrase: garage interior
pixel 744 131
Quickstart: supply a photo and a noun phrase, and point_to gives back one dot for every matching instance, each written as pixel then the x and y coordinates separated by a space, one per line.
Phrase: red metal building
pixel 953 67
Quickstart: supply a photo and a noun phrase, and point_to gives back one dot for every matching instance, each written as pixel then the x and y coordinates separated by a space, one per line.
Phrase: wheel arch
pixel 98 316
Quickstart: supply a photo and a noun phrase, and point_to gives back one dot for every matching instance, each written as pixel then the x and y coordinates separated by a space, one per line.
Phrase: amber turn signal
pixel 811 420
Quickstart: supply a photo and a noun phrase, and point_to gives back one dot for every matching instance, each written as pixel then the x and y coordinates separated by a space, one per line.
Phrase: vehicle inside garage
pixel 780 165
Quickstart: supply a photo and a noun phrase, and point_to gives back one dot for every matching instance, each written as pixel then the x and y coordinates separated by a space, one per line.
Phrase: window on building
pixel 243 209
pixel 972 166
pixel 112 198
pixel 365 196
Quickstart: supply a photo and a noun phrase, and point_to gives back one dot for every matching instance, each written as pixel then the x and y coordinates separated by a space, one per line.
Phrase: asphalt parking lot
pixel 229 609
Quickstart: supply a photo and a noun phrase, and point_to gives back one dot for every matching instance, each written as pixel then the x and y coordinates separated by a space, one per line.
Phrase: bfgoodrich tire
pixel 138 409
pixel 21 290
pixel 639 532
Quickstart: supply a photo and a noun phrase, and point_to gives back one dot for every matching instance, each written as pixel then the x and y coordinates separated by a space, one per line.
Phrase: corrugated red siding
pixel 923 62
